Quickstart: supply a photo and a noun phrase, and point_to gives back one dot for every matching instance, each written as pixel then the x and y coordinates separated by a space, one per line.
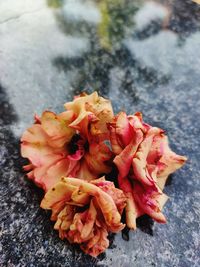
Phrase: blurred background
pixel 54 49
pixel 143 55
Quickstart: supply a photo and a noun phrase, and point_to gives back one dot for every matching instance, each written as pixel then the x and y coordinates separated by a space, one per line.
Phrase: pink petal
pixel 148 201
pixel 123 129
pixel 35 135
pixel 116 147
pixel 140 159
pixel 39 155
pixel 124 159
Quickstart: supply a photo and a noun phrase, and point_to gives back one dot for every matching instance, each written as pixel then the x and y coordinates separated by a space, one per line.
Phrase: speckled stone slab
pixel 146 57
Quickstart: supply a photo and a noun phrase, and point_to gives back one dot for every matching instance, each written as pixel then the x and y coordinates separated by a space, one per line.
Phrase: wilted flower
pixel 86 211
pixel 144 161
pixel 73 144
pixel 70 143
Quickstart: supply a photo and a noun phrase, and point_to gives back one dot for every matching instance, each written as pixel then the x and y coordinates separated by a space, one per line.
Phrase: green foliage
pixel 54 3
pixel 117 17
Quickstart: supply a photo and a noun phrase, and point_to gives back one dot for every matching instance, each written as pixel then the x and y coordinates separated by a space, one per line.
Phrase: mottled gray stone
pixel 44 60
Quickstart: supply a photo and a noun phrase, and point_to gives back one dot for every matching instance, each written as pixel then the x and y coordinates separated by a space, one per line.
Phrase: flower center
pixel 72 146
pixel 75 144
pixel 86 146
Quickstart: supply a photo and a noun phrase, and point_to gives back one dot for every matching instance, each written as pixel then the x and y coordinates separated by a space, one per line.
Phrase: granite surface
pixel 145 56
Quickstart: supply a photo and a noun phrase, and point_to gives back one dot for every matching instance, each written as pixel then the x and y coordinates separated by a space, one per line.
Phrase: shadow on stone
pixel 93 68
pixel 185 17
pixel 9 152
pixel 125 233
pixel 145 224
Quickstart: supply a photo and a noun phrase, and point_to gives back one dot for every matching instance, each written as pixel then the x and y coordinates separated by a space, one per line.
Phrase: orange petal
pixel 90 220
pixel 98 244
pixel 97 157
pixel 91 109
pixel 61 191
pixel 107 206
pixel 57 126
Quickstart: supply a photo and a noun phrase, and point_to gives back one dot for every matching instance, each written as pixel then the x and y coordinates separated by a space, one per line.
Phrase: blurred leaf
pixel 103 27
pixel 54 3
pixel 117 17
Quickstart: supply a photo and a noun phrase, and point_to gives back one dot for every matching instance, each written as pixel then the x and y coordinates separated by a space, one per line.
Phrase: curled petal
pixel 131 210
pixel 79 109
pixel 80 197
pixel 123 129
pixel 164 158
pixel 81 228
pixel 61 192
pixel 149 202
pixel 37 119
pixel 91 109
pixel 73 235
pixel 97 158
pixel 88 226
pixel 107 206
pixel 139 162
pixel 116 148
pixel 64 219
pixel 54 173
pixel 35 135
pixel 170 160
pixel 39 155
pixel 42 159
pixel 137 123
pixel 97 244
pixel 116 194
pixel 120 132
pixel 124 159
pixel 99 128
pixel 28 167
pixel 57 127
pixel 56 209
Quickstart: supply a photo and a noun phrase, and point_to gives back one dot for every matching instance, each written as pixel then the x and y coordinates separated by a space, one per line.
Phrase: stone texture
pixel 45 58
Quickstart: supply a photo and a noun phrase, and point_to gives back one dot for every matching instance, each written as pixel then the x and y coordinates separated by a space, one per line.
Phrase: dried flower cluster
pixel 68 153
